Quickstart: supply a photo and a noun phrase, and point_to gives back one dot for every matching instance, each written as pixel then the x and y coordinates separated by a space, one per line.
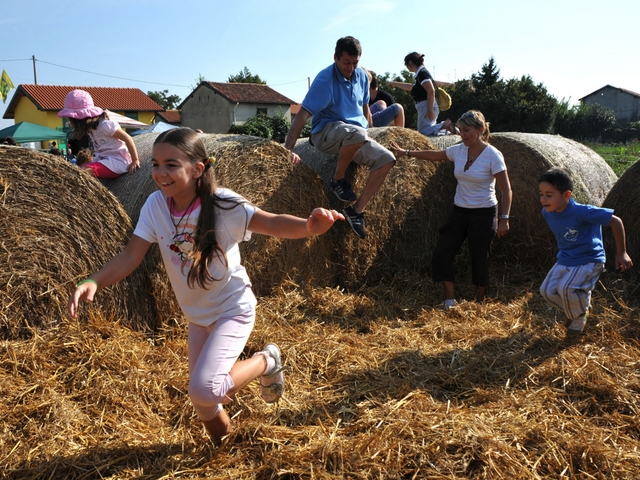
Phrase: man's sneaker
pixel 355 219
pixel 272 382
pixel 342 190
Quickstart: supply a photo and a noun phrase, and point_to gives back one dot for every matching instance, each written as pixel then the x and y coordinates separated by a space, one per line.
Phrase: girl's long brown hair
pixel 80 128
pixel 206 246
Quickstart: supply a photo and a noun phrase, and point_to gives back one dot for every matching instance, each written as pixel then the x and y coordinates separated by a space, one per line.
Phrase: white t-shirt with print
pixel 109 150
pixel 477 186
pixel 230 293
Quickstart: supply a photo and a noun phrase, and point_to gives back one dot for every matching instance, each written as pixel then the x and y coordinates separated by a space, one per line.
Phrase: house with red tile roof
pixel 213 107
pixel 40 104
pixel 172 117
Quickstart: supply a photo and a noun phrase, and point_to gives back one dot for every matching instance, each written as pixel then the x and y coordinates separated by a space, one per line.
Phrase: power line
pixel 111 76
pixel 124 78
pixel 288 83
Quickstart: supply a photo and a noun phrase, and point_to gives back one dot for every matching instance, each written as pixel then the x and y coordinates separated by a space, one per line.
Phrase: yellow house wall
pixel 26 111
pixel 146 117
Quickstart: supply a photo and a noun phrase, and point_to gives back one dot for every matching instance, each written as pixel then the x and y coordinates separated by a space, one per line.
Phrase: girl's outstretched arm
pixel 401 85
pixel 288 226
pixel 118 268
pixel 131 146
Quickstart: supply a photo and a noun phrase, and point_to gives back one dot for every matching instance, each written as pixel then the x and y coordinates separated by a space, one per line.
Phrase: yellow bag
pixel 443 99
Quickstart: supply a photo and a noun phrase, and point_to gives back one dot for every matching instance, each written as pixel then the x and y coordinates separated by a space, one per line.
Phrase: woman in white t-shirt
pixel 478 166
pixel 198 226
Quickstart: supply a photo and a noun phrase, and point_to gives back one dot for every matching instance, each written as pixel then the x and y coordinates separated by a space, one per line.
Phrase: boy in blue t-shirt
pixel 580 261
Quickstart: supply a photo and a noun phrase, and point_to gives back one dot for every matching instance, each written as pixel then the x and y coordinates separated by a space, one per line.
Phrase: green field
pixel 619 156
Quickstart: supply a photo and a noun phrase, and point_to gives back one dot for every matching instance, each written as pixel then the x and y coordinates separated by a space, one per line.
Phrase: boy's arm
pixel 623 261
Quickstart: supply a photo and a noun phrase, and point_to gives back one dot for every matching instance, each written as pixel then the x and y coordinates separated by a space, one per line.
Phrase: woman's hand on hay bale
pixel 396 150
pixel 321 220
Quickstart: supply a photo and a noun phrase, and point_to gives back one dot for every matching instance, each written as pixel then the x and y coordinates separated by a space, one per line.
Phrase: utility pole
pixel 35 75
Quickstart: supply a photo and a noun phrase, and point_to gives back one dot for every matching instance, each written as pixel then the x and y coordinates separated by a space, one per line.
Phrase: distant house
pixel 172 117
pixel 40 104
pixel 624 103
pixel 213 107
pixel 295 109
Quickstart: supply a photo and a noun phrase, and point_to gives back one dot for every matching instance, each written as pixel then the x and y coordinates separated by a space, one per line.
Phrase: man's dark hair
pixel 559 178
pixel 349 45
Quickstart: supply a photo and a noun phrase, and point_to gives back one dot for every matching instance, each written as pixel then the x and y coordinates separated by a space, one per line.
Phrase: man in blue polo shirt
pixel 338 104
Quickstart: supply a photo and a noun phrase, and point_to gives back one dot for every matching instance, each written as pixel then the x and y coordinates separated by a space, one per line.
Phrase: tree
pixel 199 80
pixel 586 121
pixel 489 75
pixel 245 76
pixel 166 101
pixel 516 105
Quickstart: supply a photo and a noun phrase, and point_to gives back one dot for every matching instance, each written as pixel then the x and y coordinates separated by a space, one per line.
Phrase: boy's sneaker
pixel 355 219
pixel 448 305
pixel 577 325
pixel 342 190
pixel 272 382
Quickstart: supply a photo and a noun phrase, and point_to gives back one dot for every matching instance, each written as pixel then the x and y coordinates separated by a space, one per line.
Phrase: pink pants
pixel 100 170
pixel 213 350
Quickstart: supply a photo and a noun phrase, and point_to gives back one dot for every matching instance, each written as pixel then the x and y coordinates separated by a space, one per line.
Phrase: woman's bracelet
pixel 85 281
pixel 406 152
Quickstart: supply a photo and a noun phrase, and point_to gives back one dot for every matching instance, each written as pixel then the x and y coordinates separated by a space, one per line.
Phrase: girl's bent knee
pixel 211 394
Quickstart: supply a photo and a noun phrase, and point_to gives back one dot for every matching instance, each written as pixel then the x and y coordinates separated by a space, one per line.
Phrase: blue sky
pixel 572 47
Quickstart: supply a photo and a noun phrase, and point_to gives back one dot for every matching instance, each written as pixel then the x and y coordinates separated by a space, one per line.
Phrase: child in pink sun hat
pixel 114 150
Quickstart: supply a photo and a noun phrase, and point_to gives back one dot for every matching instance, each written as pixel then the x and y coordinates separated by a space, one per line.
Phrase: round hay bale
pixel 260 170
pixel 402 219
pixel 624 199
pixel 442 142
pixel 527 156
pixel 58 226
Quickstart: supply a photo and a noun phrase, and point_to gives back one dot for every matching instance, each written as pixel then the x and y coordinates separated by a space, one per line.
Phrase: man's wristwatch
pixel 504 217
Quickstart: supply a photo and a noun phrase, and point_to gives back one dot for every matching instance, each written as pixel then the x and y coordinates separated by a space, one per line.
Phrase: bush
pixel 588 121
pixel 622 134
pixel 274 128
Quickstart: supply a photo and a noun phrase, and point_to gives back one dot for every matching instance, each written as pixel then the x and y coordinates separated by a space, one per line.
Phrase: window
pixel 262 111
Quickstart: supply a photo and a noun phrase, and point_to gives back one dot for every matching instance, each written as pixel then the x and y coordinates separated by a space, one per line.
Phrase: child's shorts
pixel 100 170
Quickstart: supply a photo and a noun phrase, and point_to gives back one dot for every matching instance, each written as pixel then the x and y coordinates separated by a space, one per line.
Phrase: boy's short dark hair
pixel 559 178
pixel 350 45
